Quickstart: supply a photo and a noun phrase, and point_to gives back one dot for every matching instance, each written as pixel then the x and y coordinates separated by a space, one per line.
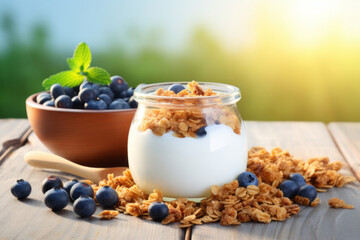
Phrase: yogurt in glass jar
pixel 183 143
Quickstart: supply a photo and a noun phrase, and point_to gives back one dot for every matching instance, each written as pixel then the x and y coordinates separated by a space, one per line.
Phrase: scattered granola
pixel 108 214
pixel 185 122
pixel 338 203
pixel 231 204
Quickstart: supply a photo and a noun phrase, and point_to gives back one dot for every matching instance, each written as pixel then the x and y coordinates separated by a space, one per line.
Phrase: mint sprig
pixel 80 68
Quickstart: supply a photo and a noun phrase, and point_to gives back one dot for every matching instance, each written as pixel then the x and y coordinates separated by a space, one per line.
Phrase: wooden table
pixel 30 219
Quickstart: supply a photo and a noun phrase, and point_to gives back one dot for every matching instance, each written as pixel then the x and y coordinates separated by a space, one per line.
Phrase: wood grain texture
pixel 31 219
pixel 347 137
pixel 303 140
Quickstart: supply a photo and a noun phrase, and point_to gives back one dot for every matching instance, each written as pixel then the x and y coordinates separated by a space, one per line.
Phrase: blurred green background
pixel 292 60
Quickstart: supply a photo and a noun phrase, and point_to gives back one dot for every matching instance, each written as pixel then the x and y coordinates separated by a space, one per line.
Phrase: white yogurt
pixel 186 167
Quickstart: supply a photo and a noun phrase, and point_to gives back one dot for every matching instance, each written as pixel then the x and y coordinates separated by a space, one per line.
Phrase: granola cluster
pixel 185 122
pixel 338 203
pixel 232 204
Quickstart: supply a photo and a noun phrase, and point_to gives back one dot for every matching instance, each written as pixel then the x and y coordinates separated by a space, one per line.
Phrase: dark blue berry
pixel 289 188
pixel 56 199
pixel 308 191
pixel 247 178
pixel 69 91
pixel 118 84
pixel 106 197
pixel 51 182
pixel 43 97
pixel 107 90
pixel 77 104
pixel 85 84
pixel 201 132
pixel 176 88
pixel 298 179
pixel 87 94
pixel 56 90
pixel 96 88
pixel 101 105
pixel 95 105
pixel 50 103
pixel 133 103
pixel 63 101
pixel 126 99
pixel 121 95
pixel 158 211
pixel 84 206
pixel 119 105
pixel 76 89
pixel 68 185
pixel 105 98
pixel 130 92
pixel 81 189
pixel 21 189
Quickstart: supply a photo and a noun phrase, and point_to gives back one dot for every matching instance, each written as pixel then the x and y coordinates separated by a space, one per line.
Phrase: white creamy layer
pixel 186 167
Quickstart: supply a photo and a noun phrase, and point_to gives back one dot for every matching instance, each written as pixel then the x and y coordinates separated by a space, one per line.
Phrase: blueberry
pixel 76 89
pixel 63 101
pixel 84 206
pixel 105 98
pixel 81 189
pixel 50 103
pixel 21 189
pixel 87 94
pixel 132 102
pixel 201 132
pixel 118 84
pixel 69 91
pixel 176 88
pixel 77 104
pixel 96 88
pixel 43 97
pixel 121 95
pixel 126 99
pixel 51 182
pixel 158 211
pixel 289 188
pixel 130 92
pixel 107 90
pixel 247 178
pixel 95 105
pixel 308 191
pixel 56 90
pixel 119 105
pixel 298 179
pixel 107 197
pixel 68 185
pixel 101 105
pixel 85 84
pixel 56 199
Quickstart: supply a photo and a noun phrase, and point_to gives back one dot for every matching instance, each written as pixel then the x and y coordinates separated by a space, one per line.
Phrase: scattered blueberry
pixel 68 185
pixel 118 84
pixel 105 98
pixel 289 188
pixel 107 197
pixel 81 189
pixel 176 88
pixel 77 104
pixel 298 179
pixel 158 211
pixel 69 91
pixel 87 94
pixel 51 182
pixel 247 178
pixel 119 105
pixel 56 90
pixel 63 101
pixel 43 97
pixel 107 90
pixel 308 191
pixel 201 132
pixel 50 103
pixel 84 206
pixel 21 189
pixel 132 102
pixel 56 199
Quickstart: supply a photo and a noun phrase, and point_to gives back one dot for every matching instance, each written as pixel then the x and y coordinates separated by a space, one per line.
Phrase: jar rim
pixel 227 94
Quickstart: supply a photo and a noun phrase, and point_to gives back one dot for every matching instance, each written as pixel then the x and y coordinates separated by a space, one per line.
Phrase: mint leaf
pixel 65 79
pixel 98 75
pixel 81 59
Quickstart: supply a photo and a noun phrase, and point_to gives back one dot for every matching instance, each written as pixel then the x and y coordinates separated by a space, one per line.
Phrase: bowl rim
pixel 30 101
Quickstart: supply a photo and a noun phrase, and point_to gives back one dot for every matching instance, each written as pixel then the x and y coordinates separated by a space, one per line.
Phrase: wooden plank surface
pixel 303 140
pixel 347 137
pixel 31 219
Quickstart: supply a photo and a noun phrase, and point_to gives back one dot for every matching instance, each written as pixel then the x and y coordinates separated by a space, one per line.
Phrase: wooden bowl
pixel 96 138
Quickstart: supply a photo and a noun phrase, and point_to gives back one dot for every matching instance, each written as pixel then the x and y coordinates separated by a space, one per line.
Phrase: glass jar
pixel 183 145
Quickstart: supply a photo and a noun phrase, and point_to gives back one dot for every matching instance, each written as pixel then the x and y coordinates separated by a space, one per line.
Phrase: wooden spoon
pixel 41 159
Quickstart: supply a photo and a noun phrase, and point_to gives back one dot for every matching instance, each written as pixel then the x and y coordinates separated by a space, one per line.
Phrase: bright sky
pixel 232 21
